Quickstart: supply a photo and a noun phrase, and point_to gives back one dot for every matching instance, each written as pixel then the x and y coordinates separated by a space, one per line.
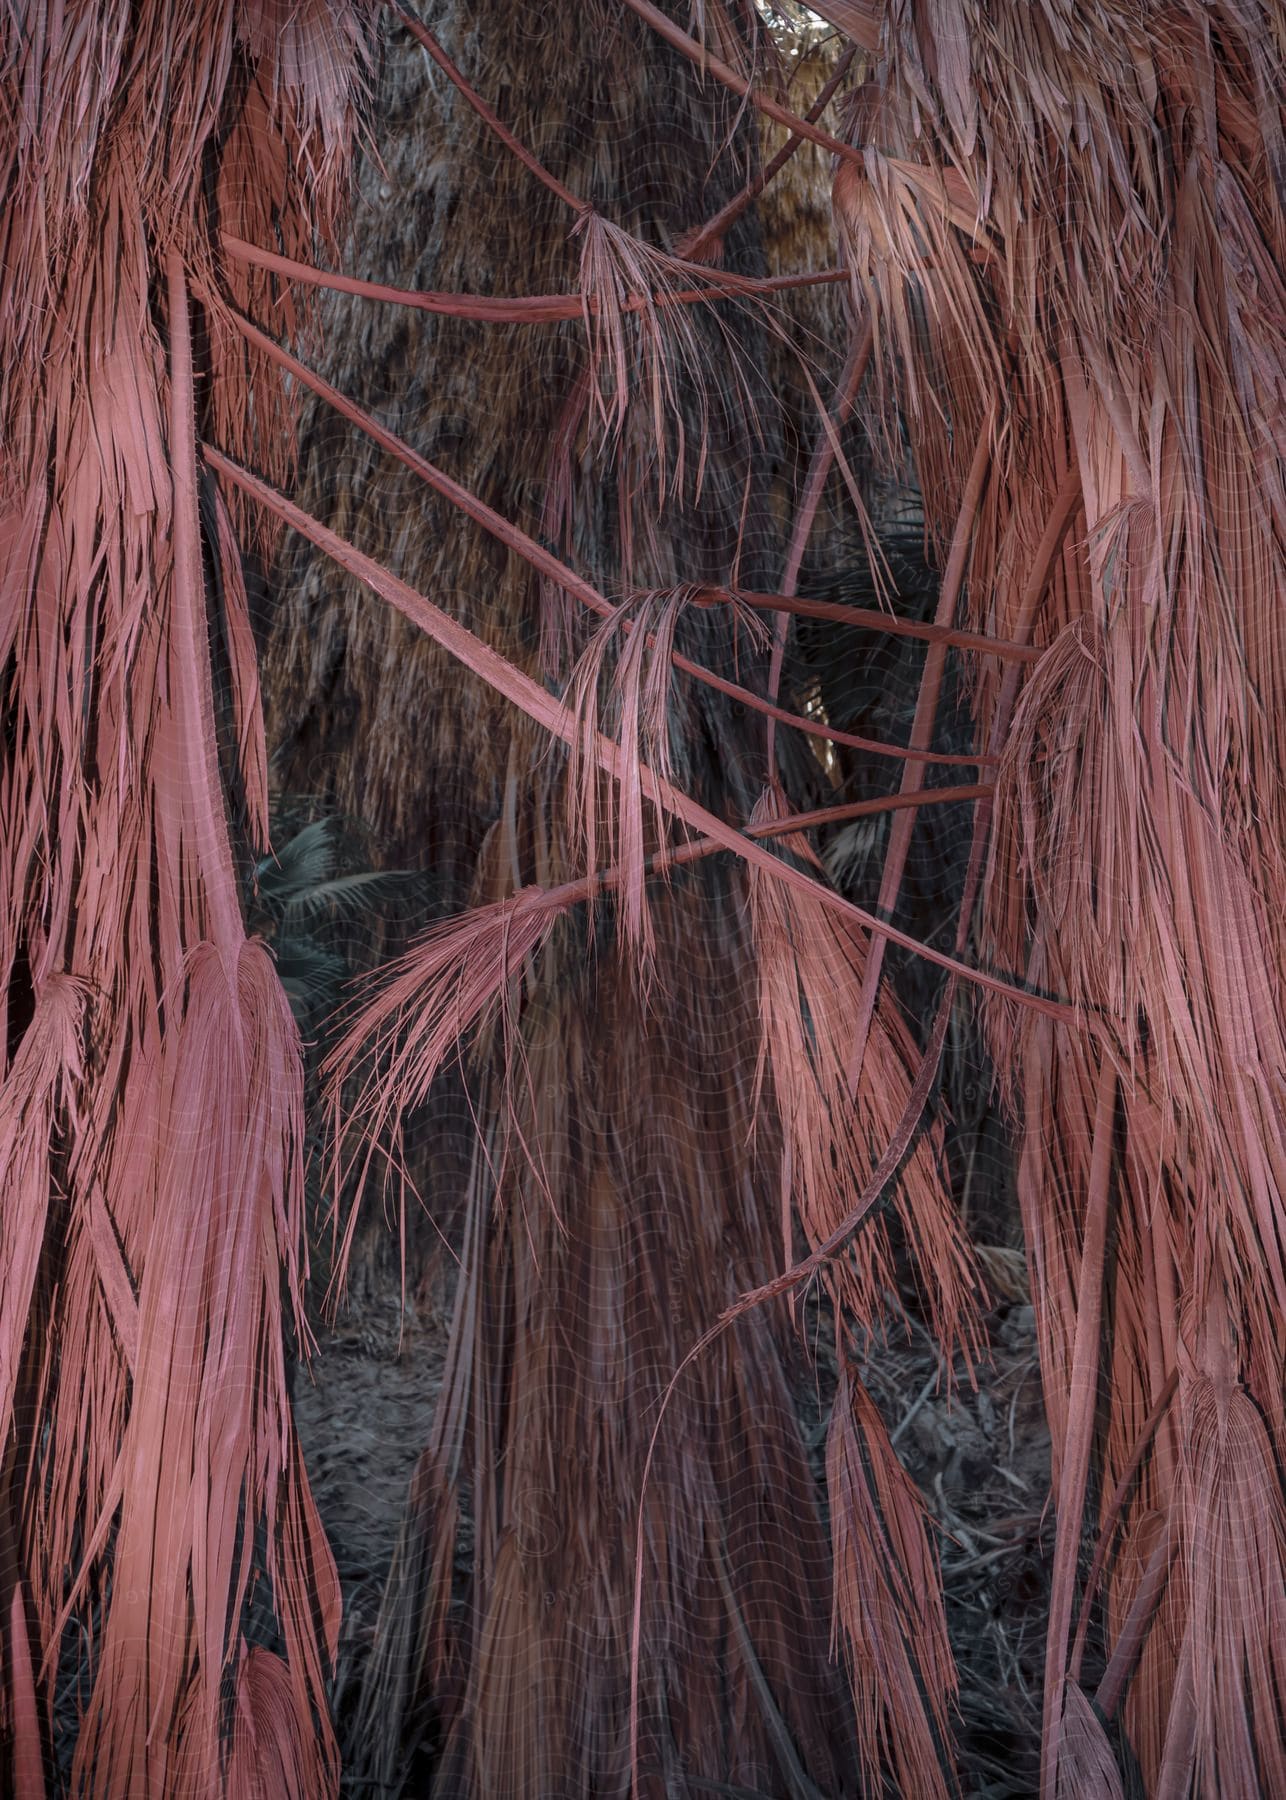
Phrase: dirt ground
pixel 981 1460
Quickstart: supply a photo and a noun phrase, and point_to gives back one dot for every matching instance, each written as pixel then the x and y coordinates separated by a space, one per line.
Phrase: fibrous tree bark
pixel 632 1136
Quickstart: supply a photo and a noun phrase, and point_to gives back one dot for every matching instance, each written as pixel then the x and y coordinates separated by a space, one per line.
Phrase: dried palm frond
pixel 209 1423
pixel 156 1093
pixel 641 681
pixel 810 971
pixel 23 1725
pixel 655 417
pixel 267 1761
pixel 1235 1557
pixel 43 1079
pixel 1087 1765
pixel 428 999
pixel 888 1606
pixel 1064 208
pixel 642 720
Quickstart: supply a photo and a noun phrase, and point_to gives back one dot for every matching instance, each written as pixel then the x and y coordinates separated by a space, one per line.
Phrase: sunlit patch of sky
pixel 793 12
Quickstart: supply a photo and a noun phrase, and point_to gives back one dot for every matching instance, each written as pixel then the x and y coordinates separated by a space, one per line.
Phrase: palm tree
pixel 691 1096
pixel 626 1109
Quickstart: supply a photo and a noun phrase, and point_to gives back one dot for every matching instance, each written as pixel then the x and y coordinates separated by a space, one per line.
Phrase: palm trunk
pixel 626 1186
